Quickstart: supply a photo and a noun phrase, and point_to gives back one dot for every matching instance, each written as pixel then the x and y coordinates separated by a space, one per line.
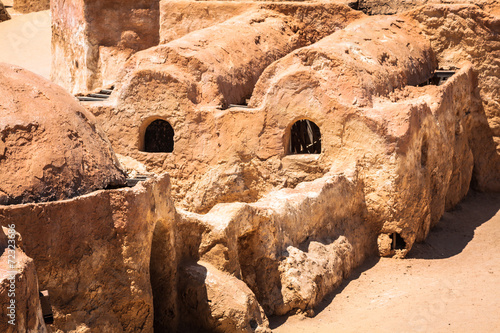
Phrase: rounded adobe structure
pixel 50 146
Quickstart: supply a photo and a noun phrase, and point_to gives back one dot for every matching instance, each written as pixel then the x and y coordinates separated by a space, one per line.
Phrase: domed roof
pixel 50 146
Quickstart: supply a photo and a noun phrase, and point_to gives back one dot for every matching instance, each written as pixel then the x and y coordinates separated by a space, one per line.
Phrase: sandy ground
pixel 26 41
pixel 450 283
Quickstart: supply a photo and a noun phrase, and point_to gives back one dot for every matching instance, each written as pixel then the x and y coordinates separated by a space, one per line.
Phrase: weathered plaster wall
pixel 91 39
pixel 294 246
pixel 182 81
pixel 398 155
pixel 92 46
pixel 73 66
pixel 384 127
pixel 274 245
pixel 93 254
pixel 178 18
pixel 461 34
pixel 394 157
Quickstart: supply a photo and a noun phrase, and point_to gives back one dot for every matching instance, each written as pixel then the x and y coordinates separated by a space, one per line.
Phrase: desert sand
pixel 449 283
pixel 26 42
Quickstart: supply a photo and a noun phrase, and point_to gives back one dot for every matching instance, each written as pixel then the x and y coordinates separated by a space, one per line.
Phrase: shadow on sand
pixel 456 228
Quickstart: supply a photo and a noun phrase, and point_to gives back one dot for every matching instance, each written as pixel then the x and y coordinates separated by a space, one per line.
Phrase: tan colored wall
pixel 351 84
pixel 461 34
pixel 373 119
pixel 178 18
pixel 86 34
pixel 70 56
pixel 182 81
pixel 113 31
pixel 394 157
pixel 259 242
pixel 294 246
pixel 93 254
pixel 217 142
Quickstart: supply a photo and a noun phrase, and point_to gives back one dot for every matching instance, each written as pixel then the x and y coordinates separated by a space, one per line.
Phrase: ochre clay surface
pixel 207 218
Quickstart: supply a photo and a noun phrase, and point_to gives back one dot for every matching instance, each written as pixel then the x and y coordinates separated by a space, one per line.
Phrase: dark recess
pixel 305 138
pixel 439 78
pixel 159 137
pixel 424 151
pixel 398 242
pixel 48 316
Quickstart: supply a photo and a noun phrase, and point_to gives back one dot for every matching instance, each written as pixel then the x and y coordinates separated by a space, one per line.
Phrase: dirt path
pixel 451 283
pixel 26 42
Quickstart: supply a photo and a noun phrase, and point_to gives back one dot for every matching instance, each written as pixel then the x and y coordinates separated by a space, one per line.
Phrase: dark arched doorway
pixel 159 137
pixel 305 138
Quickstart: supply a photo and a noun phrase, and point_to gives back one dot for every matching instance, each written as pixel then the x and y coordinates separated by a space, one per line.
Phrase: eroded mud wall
pixel 93 254
pixel 185 81
pixel 91 39
pixel 461 34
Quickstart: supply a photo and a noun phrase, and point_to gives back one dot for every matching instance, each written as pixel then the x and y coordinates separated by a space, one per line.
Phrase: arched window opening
pixel 398 242
pixel 305 138
pixel 159 137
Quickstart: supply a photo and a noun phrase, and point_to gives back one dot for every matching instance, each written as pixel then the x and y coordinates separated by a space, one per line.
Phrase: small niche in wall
pixel 305 138
pixel 158 137
pixel 398 242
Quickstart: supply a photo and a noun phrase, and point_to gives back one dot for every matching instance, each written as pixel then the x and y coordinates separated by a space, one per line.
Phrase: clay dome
pixel 50 146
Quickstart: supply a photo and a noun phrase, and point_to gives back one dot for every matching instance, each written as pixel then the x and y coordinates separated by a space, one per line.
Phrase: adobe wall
pixel 178 18
pixel 268 242
pixel 87 33
pixel 91 40
pixel 93 254
pixel 257 230
pixel 294 246
pixel 461 34
pixel 383 128
pixel 239 154
pixel 71 54
pixel 111 258
pixel 91 44
pixel 191 80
